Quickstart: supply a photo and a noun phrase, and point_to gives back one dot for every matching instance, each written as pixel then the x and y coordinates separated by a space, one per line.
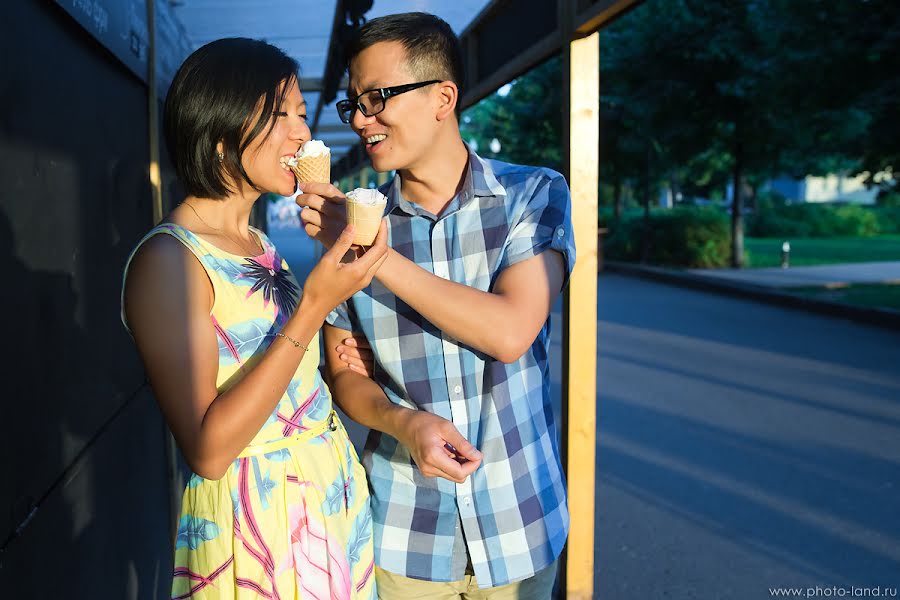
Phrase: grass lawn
pixel 881 295
pixel 766 252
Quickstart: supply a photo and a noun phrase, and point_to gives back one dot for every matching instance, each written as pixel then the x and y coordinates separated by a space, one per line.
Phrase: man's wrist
pixel 384 272
pixel 397 420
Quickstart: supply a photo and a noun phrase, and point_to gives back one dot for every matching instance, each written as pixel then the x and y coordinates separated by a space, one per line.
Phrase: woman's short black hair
pixel 213 98
pixel 433 51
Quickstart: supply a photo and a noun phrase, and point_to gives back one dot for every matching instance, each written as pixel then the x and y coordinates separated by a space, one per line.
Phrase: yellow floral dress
pixel 290 519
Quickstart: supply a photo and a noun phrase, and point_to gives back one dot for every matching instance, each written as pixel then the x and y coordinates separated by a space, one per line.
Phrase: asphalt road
pixel 741 447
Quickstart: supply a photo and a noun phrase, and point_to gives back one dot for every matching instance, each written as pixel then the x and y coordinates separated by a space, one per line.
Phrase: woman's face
pixel 262 158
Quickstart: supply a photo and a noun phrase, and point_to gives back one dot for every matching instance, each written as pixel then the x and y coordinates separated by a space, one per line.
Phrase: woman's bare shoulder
pixel 165 273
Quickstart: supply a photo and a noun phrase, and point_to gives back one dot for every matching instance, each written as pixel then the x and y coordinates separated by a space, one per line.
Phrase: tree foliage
pixel 699 94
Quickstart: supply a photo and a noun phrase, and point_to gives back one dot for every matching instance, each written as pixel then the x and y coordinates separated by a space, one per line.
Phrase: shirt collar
pixel 479 182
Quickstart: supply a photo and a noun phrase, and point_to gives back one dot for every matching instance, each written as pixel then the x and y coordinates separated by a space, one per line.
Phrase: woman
pixel 277 506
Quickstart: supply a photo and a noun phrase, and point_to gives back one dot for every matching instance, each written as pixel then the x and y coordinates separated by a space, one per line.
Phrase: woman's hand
pixel 333 281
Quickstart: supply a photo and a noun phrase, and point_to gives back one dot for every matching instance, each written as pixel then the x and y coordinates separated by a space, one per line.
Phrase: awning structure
pixel 305 30
pixel 501 39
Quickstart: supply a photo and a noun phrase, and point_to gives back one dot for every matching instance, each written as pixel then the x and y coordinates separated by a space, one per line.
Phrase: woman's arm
pixel 167 302
pixel 424 434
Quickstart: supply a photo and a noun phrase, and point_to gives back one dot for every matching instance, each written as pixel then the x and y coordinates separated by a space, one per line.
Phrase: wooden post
pixel 156 194
pixel 153 115
pixel 580 314
pixel 364 177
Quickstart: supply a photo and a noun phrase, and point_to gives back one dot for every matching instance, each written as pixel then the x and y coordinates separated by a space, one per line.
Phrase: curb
pixel 880 317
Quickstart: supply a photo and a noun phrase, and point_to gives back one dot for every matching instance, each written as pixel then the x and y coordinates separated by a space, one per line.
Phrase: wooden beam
pixel 171 449
pixel 580 315
pixel 336 128
pixel 534 55
pixel 364 177
pixel 601 14
pixel 317 84
pixel 153 116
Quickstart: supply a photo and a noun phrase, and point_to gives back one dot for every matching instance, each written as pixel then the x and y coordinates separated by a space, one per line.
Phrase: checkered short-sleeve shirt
pixel 511 514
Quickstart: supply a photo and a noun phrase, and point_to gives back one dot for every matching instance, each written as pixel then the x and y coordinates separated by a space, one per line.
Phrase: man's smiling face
pixel 400 135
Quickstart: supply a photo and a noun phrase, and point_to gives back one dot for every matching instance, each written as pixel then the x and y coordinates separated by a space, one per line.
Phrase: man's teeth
pixel 375 138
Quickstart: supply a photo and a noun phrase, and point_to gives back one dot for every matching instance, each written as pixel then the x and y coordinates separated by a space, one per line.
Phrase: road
pixel 741 446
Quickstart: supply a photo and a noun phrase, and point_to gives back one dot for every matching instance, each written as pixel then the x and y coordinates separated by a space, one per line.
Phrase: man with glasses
pixel 468 496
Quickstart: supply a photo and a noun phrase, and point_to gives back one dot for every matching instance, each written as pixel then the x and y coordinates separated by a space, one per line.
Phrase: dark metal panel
pixel 104 533
pixel 74 161
pixel 121 27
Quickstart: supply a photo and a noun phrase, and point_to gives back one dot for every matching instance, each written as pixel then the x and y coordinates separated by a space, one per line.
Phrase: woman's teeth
pixel 374 139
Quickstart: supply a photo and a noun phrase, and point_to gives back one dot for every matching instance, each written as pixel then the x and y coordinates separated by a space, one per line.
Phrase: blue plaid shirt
pixel 510 514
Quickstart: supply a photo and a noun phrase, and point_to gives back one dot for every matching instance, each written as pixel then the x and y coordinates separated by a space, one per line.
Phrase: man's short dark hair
pixel 432 49
pixel 213 98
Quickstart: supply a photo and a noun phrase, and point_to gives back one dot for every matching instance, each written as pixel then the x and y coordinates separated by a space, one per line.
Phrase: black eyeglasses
pixel 371 102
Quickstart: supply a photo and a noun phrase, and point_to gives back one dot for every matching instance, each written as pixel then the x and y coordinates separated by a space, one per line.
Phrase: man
pixel 458 321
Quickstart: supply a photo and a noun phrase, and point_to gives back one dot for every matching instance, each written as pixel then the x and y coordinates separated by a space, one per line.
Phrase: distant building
pixel 830 188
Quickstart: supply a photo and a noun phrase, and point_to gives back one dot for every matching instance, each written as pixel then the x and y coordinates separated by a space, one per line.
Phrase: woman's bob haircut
pixel 226 91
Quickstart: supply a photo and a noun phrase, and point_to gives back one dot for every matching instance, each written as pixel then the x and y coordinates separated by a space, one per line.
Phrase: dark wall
pixel 81 437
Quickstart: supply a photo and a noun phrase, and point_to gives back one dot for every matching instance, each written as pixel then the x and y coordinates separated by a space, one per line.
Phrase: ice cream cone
pixel 313 168
pixel 364 211
pixel 366 219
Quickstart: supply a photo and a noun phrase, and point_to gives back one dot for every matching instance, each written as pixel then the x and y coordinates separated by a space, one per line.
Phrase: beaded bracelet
pixel 292 340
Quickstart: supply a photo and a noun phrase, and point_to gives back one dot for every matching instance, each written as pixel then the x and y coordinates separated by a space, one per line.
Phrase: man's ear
pixel 448 97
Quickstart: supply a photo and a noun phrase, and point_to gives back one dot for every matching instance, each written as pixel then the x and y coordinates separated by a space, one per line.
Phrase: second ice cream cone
pixel 364 211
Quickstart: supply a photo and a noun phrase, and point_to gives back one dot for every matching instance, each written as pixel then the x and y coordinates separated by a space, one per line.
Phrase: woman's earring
pixel 220 156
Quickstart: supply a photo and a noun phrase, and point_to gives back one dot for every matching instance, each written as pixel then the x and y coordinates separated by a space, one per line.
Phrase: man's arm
pixel 502 323
pixel 422 433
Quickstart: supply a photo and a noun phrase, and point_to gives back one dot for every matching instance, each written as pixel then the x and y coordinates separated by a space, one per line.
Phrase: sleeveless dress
pixel 290 519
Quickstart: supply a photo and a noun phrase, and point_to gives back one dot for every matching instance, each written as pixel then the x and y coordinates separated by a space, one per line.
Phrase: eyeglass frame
pixel 388 92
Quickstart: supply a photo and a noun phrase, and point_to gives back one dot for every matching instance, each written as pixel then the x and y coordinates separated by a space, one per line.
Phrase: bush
pixel 682 237
pixel 889 199
pixel 888 218
pixel 604 216
pixel 815 220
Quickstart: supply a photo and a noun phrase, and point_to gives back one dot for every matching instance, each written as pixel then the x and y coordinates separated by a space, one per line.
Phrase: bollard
pixel 785 255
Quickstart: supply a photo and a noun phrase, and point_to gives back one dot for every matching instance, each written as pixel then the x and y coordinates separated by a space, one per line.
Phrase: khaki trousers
pixel 397 587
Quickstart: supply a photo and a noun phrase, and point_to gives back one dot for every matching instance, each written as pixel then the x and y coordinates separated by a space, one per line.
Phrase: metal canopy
pixel 303 29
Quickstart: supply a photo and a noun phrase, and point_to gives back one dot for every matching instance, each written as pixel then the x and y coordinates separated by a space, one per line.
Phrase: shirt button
pixel 457 389
pixel 560 232
pixel 467 501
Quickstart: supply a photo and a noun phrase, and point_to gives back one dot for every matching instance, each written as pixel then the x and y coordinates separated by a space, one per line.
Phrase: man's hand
pixel 357 354
pixel 324 213
pixel 427 436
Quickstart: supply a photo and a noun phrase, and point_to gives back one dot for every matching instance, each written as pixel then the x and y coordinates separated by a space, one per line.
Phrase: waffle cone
pixel 313 169
pixel 366 219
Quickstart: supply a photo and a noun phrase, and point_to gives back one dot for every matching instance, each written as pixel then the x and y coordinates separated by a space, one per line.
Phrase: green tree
pixel 526 121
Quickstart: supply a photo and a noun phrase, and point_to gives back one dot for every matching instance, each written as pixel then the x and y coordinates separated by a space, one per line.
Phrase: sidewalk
pixel 774 285
pixel 820 275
